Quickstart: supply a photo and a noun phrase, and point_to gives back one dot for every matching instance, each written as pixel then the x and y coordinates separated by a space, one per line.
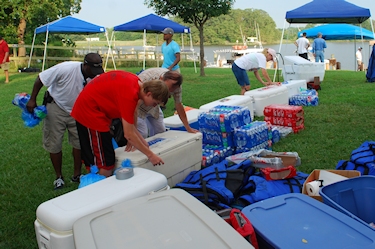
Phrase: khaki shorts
pixel 5 66
pixel 55 124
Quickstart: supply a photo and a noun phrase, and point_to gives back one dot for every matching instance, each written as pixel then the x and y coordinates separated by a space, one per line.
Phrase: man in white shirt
pixel 64 82
pixel 358 55
pixel 302 44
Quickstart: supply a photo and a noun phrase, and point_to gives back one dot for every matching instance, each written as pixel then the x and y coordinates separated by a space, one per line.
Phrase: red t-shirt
pixel 108 96
pixel 3 49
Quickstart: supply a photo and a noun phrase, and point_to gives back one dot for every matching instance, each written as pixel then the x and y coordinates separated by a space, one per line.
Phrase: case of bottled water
pixel 233 100
pixel 224 118
pixel 251 135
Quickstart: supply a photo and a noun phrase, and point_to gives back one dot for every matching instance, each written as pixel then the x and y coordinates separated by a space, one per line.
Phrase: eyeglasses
pixel 94 64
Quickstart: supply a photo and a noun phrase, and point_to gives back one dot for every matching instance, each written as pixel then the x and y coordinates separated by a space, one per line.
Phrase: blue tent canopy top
pixel 70 24
pixel 332 11
pixel 151 23
pixel 338 32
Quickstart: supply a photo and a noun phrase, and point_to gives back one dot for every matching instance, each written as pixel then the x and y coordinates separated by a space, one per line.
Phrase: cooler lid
pixel 175 121
pixel 267 91
pixel 232 100
pixel 61 212
pixel 296 60
pixel 160 144
pixel 299 221
pixel 169 219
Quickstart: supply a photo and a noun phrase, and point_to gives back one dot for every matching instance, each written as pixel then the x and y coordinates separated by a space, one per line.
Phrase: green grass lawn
pixel 343 120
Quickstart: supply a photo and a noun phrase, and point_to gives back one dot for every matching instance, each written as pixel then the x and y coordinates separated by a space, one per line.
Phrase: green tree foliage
pixel 196 12
pixel 20 17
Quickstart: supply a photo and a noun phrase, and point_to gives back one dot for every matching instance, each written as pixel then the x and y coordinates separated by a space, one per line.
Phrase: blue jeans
pixel 319 55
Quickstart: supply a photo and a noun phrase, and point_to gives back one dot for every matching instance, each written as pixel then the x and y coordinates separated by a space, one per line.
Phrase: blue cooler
pixel 298 221
pixel 354 197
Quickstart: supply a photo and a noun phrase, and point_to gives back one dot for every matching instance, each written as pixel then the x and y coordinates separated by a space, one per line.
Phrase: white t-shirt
pixel 251 61
pixel 358 54
pixel 302 45
pixel 65 82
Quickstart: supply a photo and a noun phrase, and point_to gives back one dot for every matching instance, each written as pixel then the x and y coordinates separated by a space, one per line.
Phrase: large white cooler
pixel 173 219
pixel 297 68
pixel 181 152
pixel 233 100
pixel 55 218
pixel 174 122
pixel 264 96
pixel 295 86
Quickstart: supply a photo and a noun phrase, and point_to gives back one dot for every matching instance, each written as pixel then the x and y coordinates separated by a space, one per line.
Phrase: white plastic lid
pixel 168 219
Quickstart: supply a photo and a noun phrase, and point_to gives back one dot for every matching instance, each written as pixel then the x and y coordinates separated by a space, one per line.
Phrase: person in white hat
pixel 171 51
pixel 253 62
pixel 358 55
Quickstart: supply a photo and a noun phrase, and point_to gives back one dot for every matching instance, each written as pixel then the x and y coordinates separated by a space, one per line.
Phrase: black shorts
pixel 96 148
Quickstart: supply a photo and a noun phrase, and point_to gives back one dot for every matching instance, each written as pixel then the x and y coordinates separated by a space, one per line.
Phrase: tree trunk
pixel 201 53
pixel 21 37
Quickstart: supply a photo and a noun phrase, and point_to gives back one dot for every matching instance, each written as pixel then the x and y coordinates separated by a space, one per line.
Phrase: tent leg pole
pixel 45 51
pixel 281 43
pixel 31 52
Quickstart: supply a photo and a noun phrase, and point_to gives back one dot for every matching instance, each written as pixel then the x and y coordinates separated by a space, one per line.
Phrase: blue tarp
pixel 338 32
pixel 328 11
pixel 69 24
pixel 151 23
pixel 370 75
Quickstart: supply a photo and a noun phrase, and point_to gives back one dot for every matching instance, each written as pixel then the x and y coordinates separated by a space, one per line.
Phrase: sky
pixel 110 13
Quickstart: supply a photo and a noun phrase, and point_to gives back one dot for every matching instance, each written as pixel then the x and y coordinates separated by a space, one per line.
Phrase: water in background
pixel 343 52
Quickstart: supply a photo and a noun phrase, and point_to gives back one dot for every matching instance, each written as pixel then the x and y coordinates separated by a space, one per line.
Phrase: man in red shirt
pixel 112 95
pixel 4 58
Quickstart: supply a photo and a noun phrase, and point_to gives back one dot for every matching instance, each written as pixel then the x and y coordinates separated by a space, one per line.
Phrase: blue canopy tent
pixel 332 11
pixel 154 24
pixel 64 25
pixel 338 32
pixel 323 11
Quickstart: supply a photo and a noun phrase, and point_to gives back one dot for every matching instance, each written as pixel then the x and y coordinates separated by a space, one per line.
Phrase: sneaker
pixel 76 178
pixel 59 183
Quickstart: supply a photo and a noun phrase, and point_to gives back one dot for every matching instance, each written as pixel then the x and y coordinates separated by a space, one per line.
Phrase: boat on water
pixel 226 57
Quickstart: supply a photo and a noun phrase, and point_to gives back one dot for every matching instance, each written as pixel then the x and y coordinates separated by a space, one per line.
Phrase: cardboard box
pixel 315 176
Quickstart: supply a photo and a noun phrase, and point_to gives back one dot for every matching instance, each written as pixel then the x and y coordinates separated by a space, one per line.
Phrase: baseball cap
pixel 95 62
pixel 168 31
pixel 359 47
pixel 272 52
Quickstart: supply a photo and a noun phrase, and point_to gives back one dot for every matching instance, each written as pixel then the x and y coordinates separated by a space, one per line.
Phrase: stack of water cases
pixel 285 115
pixel 217 126
pixel 212 154
pixel 305 98
pixel 253 136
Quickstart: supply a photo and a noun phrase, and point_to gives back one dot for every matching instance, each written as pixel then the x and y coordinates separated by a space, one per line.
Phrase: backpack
pixel 241 224
pixel 218 185
pixel 361 159
pixel 258 188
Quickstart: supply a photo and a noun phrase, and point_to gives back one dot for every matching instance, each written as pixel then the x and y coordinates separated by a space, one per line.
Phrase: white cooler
pixel 181 152
pixel 295 86
pixel 169 220
pixel 297 68
pixel 233 100
pixel 55 218
pixel 268 95
pixel 174 122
